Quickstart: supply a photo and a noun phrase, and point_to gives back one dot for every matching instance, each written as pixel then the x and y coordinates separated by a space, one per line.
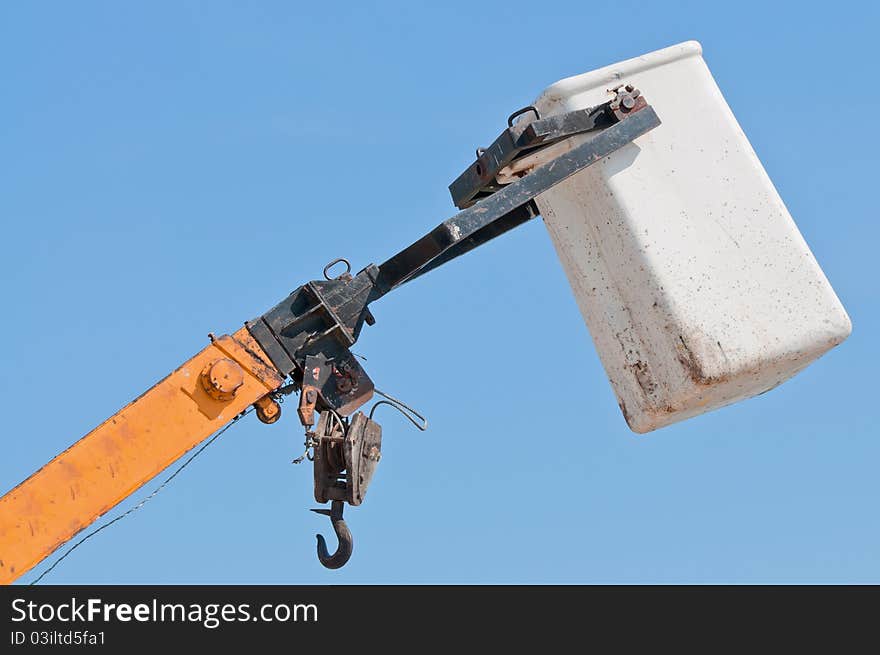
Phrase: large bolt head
pixel 222 378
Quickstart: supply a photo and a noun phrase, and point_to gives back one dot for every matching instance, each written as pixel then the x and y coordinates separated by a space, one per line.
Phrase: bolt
pixel 628 102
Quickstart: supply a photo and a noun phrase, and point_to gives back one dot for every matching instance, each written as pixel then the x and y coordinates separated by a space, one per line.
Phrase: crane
pixel 696 285
pixel 302 345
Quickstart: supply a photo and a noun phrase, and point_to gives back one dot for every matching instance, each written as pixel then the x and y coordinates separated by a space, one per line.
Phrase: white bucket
pixel 691 275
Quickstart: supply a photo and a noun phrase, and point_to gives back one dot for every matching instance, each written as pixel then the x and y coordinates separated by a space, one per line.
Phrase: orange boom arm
pixel 132 447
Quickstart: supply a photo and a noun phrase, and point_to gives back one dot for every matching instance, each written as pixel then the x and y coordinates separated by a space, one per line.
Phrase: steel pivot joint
pixel 309 334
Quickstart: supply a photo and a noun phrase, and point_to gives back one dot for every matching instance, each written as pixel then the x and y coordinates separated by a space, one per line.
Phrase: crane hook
pixel 343 534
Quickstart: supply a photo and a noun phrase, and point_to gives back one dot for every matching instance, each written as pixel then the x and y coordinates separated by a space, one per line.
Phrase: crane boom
pixel 130 448
pixel 306 338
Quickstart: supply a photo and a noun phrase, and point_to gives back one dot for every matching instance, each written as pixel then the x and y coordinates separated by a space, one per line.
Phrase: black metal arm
pixel 308 335
pixel 506 208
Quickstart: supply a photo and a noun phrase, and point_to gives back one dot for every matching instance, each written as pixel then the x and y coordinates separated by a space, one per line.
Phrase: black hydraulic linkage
pixel 524 137
pixel 507 207
pixel 309 334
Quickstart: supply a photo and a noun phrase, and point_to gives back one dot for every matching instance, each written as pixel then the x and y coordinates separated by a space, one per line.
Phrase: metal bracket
pixel 479 180
pixel 510 205
pixel 308 335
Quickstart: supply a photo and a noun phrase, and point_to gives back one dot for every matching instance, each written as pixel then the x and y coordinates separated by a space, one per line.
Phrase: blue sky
pixel 137 140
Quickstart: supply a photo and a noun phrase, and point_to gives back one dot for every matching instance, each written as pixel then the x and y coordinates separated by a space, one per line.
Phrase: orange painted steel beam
pixel 130 448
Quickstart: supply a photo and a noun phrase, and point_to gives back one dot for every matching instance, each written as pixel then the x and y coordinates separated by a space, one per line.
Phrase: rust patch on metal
pixel 242 348
pixel 307 400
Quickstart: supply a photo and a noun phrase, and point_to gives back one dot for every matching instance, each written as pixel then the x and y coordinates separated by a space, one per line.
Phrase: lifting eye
pixel 340 260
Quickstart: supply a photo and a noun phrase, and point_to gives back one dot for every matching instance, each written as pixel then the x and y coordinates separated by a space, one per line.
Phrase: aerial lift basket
pixel 691 275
